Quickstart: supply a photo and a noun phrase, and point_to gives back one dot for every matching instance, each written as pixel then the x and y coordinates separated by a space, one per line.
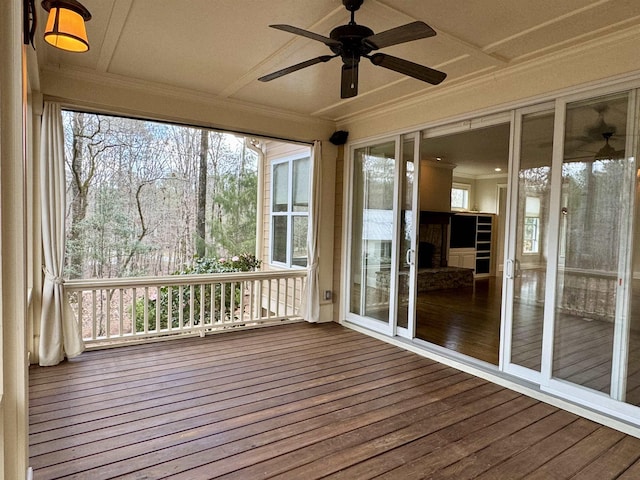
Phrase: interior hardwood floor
pixel 465 320
pixel 301 401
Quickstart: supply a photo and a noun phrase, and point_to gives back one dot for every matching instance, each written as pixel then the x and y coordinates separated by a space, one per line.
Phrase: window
pixel 460 196
pixel 531 236
pixel 290 212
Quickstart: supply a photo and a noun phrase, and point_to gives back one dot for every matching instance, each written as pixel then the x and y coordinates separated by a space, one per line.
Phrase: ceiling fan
pixel 352 42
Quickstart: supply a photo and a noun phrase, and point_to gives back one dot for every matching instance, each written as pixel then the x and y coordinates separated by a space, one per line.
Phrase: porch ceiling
pixel 220 48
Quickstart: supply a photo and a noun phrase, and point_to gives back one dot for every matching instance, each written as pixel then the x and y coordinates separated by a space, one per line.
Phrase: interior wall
pixel 435 186
pixel 486 197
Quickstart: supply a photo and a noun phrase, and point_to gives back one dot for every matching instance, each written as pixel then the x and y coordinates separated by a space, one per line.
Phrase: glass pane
pixel 299 241
pixel 459 279
pixel 406 231
pixel 280 187
pixel 633 365
pixel 301 185
pixel 593 179
pixel 372 230
pixel 279 242
pixel 532 220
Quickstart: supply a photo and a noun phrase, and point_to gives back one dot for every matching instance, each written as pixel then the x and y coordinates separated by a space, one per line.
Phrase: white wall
pixel 486 193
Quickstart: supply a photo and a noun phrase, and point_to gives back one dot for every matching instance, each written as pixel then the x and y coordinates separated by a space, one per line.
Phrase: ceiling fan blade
pixel 330 42
pixel 296 67
pixel 406 67
pixel 349 81
pixel 405 33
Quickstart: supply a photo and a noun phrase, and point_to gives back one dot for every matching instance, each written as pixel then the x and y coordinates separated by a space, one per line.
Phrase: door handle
pixel 509 269
pixel 410 256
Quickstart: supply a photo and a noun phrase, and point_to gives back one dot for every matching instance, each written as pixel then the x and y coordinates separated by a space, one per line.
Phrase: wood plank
pixel 423 458
pixel 299 401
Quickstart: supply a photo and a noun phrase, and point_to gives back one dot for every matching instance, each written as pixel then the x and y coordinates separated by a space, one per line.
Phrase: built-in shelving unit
pixel 484 233
pixel 471 242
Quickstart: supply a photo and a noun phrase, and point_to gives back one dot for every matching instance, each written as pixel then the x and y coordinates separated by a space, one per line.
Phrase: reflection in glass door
pixel 372 234
pixel 591 329
pixel 459 282
pixel 528 252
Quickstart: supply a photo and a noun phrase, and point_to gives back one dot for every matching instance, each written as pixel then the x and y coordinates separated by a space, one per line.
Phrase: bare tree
pixel 145 197
pixel 202 194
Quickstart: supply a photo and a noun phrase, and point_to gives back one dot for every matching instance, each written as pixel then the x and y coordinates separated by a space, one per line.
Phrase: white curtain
pixel 310 305
pixel 60 334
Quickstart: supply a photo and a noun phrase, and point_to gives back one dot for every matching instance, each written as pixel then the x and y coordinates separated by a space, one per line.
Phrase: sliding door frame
pixel 612 403
pixel 387 328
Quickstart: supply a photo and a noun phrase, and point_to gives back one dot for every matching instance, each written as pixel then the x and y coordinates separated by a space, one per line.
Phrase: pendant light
pixel 65 27
pixel 607 152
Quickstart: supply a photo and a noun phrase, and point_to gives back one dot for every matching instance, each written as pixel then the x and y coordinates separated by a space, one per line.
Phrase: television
pixel 463 231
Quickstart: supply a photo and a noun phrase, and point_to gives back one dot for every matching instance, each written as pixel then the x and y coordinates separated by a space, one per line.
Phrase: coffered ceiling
pixel 219 48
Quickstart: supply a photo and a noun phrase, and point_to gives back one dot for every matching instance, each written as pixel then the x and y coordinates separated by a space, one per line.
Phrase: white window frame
pixel 531 215
pixel 289 213
pixel 462 186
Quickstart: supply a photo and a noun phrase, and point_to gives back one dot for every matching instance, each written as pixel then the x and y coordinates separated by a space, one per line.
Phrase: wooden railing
pixel 588 293
pixel 120 310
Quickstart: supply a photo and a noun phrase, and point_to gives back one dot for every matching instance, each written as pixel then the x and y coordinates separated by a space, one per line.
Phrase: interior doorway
pixel 459 280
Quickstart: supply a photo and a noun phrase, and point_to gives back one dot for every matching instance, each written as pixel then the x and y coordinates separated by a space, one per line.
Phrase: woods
pixel 146 198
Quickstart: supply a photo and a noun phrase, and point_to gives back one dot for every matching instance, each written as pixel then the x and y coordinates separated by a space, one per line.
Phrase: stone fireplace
pixel 434 238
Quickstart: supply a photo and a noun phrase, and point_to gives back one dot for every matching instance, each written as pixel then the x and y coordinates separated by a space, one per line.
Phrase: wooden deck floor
pixel 301 402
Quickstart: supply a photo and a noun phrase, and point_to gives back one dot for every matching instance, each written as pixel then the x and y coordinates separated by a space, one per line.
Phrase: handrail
pixel 77 284
pixel 119 310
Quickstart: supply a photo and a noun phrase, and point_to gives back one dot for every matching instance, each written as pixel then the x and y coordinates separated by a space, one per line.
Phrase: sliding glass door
pixel 591 331
pixel 528 241
pixel 572 253
pixel 382 236
pixel 512 240
pixel 372 239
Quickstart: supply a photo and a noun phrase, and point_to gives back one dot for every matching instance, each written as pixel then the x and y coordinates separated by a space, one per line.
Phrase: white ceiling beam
pixel 469 48
pixel 115 25
pixel 561 18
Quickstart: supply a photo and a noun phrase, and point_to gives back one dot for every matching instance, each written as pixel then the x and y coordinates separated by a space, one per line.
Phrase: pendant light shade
pixel 65 27
pixel 607 152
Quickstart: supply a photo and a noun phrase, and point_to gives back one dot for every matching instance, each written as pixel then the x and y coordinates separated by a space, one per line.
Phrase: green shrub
pixel 237 263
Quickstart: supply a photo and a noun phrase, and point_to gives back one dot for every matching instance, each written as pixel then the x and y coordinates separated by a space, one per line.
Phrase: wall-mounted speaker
pixel 339 137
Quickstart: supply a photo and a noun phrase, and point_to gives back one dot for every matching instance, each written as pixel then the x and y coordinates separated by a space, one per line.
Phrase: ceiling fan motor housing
pixel 352 47
pixel 352 5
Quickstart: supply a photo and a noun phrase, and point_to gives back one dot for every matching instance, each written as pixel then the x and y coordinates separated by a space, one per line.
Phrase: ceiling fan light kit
pixel 351 42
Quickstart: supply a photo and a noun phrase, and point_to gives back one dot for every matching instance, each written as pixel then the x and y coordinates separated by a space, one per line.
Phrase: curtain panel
pixel 310 305
pixel 60 334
